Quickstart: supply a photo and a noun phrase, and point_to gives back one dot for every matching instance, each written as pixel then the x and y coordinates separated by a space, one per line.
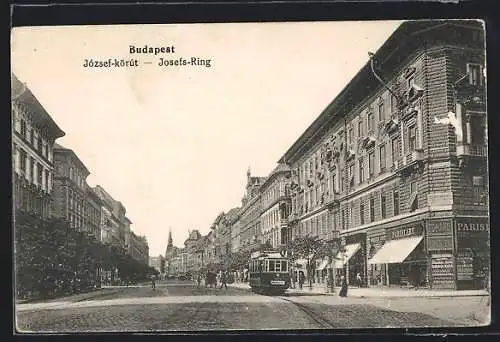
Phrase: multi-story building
pixel 191 249
pixel 93 214
pixel 33 135
pixel 397 164
pixel 276 206
pixel 235 235
pixel 249 214
pixel 157 263
pixel 72 199
pixel 110 223
pixel 138 248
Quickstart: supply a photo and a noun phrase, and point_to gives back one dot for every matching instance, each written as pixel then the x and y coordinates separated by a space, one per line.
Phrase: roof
pixel 21 93
pixel 61 149
pixel 407 37
pixel 279 169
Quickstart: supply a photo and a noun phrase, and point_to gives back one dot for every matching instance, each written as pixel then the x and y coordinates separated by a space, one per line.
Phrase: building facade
pixel 397 163
pixel 138 248
pixel 71 200
pixel 33 135
pixel 276 206
pixel 157 263
pixel 249 214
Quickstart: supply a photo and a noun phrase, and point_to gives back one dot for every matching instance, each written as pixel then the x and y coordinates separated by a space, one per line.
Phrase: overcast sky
pixel 173 144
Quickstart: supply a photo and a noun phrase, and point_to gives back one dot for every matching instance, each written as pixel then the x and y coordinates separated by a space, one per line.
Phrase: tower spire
pixel 170 241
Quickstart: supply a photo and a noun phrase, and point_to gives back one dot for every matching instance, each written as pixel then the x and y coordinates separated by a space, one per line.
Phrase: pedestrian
pixel 223 277
pixel 153 282
pixel 343 287
pixel 199 279
pixel 301 279
pixel 358 280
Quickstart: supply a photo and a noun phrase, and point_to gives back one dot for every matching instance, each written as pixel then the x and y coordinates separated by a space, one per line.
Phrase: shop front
pixel 404 257
pixel 473 252
pixel 440 249
pixel 377 273
pixel 351 260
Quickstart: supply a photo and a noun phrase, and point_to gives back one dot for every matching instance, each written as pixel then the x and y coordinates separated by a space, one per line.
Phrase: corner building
pixel 401 175
pixel 34 133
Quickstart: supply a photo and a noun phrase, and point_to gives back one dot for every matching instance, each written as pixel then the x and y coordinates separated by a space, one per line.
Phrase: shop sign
pixel 439 227
pixel 440 243
pixel 401 233
pixel 472 226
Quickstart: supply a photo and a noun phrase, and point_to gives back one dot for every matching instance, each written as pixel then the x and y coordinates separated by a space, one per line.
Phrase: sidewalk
pixel 375 292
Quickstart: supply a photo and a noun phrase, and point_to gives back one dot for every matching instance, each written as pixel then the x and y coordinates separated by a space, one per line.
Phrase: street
pixel 181 306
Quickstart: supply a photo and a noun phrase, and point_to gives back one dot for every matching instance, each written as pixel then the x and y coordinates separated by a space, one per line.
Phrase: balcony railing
pixel 472 150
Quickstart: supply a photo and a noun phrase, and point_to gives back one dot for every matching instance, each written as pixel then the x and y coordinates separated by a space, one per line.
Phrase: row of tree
pixel 307 248
pixel 51 258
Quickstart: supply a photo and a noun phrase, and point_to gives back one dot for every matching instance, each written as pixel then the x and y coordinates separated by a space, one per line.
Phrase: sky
pixel 173 143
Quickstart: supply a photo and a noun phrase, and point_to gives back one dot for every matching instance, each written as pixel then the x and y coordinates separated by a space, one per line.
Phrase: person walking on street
pixel 301 279
pixel 199 279
pixel 358 280
pixel 153 282
pixel 343 287
pixel 223 277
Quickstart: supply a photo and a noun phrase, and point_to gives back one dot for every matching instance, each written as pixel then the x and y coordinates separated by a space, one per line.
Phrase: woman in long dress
pixel 343 287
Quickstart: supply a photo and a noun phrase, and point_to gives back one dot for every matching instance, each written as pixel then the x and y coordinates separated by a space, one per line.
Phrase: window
pixel 382 157
pixel 370 120
pixel 394 103
pixel 23 156
pixel 371 163
pixel 381 111
pixel 341 180
pixel 478 190
pixel 395 197
pixel 412 138
pixel 46 151
pixel 39 144
pixel 351 174
pixel 477 130
pixel 40 174
pixel 413 201
pixel 372 209
pixel 23 128
pixel 71 173
pixel 33 171
pixel 383 206
pixel 32 137
pixel 362 214
pixel 334 180
pixel 360 128
pixel 343 219
pixel 474 71
pixel 395 150
pixel 361 171
pixel 411 81
pixel 350 136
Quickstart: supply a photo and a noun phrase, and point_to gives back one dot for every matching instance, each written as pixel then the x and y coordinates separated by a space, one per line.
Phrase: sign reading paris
pixel 152 50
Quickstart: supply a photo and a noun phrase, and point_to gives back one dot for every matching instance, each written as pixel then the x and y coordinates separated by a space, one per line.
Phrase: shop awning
pixel 350 250
pixel 322 265
pixel 395 251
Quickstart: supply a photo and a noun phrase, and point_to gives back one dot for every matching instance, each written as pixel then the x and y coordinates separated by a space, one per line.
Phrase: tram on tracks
pixel 269 273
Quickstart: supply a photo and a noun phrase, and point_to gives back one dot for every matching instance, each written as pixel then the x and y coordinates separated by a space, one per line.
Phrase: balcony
pixel 472 150
pixel 283 223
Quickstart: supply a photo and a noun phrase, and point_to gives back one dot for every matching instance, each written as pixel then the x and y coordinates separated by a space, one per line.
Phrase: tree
pixel 309 248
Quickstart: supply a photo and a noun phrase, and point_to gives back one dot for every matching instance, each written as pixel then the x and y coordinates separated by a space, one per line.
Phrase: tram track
pixel 323 323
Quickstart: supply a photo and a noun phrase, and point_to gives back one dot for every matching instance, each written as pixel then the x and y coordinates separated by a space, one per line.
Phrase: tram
pixel 268 273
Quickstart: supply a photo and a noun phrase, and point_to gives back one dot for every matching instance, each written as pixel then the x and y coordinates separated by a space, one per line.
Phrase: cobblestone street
pixel 184 307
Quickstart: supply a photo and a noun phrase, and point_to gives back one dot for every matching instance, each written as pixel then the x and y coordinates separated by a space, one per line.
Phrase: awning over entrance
pixel 322 265
pixel 350 250
pixel 395 251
